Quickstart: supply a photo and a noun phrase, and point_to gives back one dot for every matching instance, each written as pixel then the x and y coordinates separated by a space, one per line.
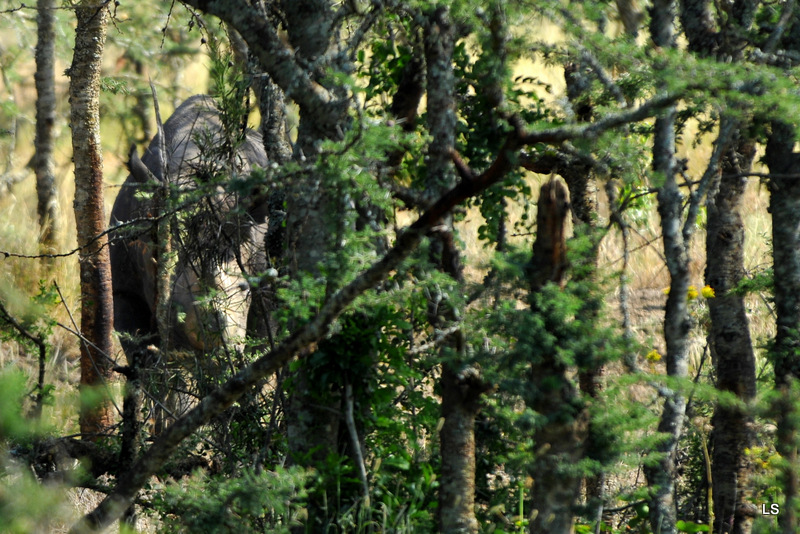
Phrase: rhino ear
pixel 137 168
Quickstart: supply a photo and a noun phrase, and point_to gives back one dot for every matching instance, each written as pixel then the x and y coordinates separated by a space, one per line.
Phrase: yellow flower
pixel 708 292
pixel 653 356
pixel 691 294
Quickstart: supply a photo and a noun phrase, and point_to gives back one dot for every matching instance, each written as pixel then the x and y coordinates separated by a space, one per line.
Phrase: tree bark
pixel 784 205
pixel 312 216
pixel 731 346
pixel 47 199
pixel 95 271
pixel 461 384
pixel 729 336
pixel 561 440
pixel 661 476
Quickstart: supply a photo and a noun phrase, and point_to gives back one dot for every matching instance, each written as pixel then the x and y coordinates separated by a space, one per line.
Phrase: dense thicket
pixel 430 310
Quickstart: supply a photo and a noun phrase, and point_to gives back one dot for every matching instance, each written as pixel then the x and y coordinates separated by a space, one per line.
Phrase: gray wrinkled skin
pixel 210 297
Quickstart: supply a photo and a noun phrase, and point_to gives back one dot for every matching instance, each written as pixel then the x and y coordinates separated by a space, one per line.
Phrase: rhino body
pixel 216 238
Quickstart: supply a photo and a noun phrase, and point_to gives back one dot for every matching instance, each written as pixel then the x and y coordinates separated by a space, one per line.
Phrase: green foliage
pixel 33 314
pixel 229 87
pixel 126 100
pixel 25 505
pixel 248 502
pixel 13 390
pixel 691 528
pixel 567 326
pixel 693 487
pixel 482 129
pixel 404 494
pixel 760 282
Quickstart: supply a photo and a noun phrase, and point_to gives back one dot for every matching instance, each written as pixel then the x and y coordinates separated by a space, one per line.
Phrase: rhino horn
pixel 138 170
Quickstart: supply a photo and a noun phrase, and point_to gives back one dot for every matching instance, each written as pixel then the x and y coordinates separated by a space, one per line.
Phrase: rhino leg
pixel 132 317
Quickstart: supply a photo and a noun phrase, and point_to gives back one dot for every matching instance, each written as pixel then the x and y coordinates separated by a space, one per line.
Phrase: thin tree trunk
pixel 731 346
pixel 95 271
pixel 729 336
pixel 661 476
pixel 47 199
pixel 784 206
pixel 131 425
pixel 581 181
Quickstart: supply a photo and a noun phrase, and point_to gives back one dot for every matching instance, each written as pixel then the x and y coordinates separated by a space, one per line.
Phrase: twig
pixel 763 175
pixel 625 507
pixel 612 192
pixel 75 330
pixel 709 179
pixel 355 443
pixel 440 338
pixel 592 130
pixel 116 227
pixel 603 76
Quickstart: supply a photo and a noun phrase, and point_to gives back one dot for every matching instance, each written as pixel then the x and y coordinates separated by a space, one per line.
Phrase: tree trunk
pixel 95 271
pixel 461 393
pixel 461 384
pixel 661 476
pixel 561 440
pixel 313 416
pixel 784 205
pixel 47 203
pixel 581 181
pixel 131 425
pixel 729 336
pixel 731 346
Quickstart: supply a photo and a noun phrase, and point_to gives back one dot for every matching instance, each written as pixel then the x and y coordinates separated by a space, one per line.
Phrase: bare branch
pixel 603 76
pixel 710 176
pixel 592 130
pixel 355 443
pixel 780 28
pixel 463 169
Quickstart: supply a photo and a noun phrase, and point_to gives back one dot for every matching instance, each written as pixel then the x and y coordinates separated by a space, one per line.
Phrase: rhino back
pixel 193 126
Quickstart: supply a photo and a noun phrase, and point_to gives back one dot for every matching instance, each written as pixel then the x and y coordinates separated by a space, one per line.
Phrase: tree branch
pixel 592 130
pixel 223 397
pixel 275 57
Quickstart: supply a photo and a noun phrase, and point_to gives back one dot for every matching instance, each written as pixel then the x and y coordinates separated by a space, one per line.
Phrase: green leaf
pixel 691 528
